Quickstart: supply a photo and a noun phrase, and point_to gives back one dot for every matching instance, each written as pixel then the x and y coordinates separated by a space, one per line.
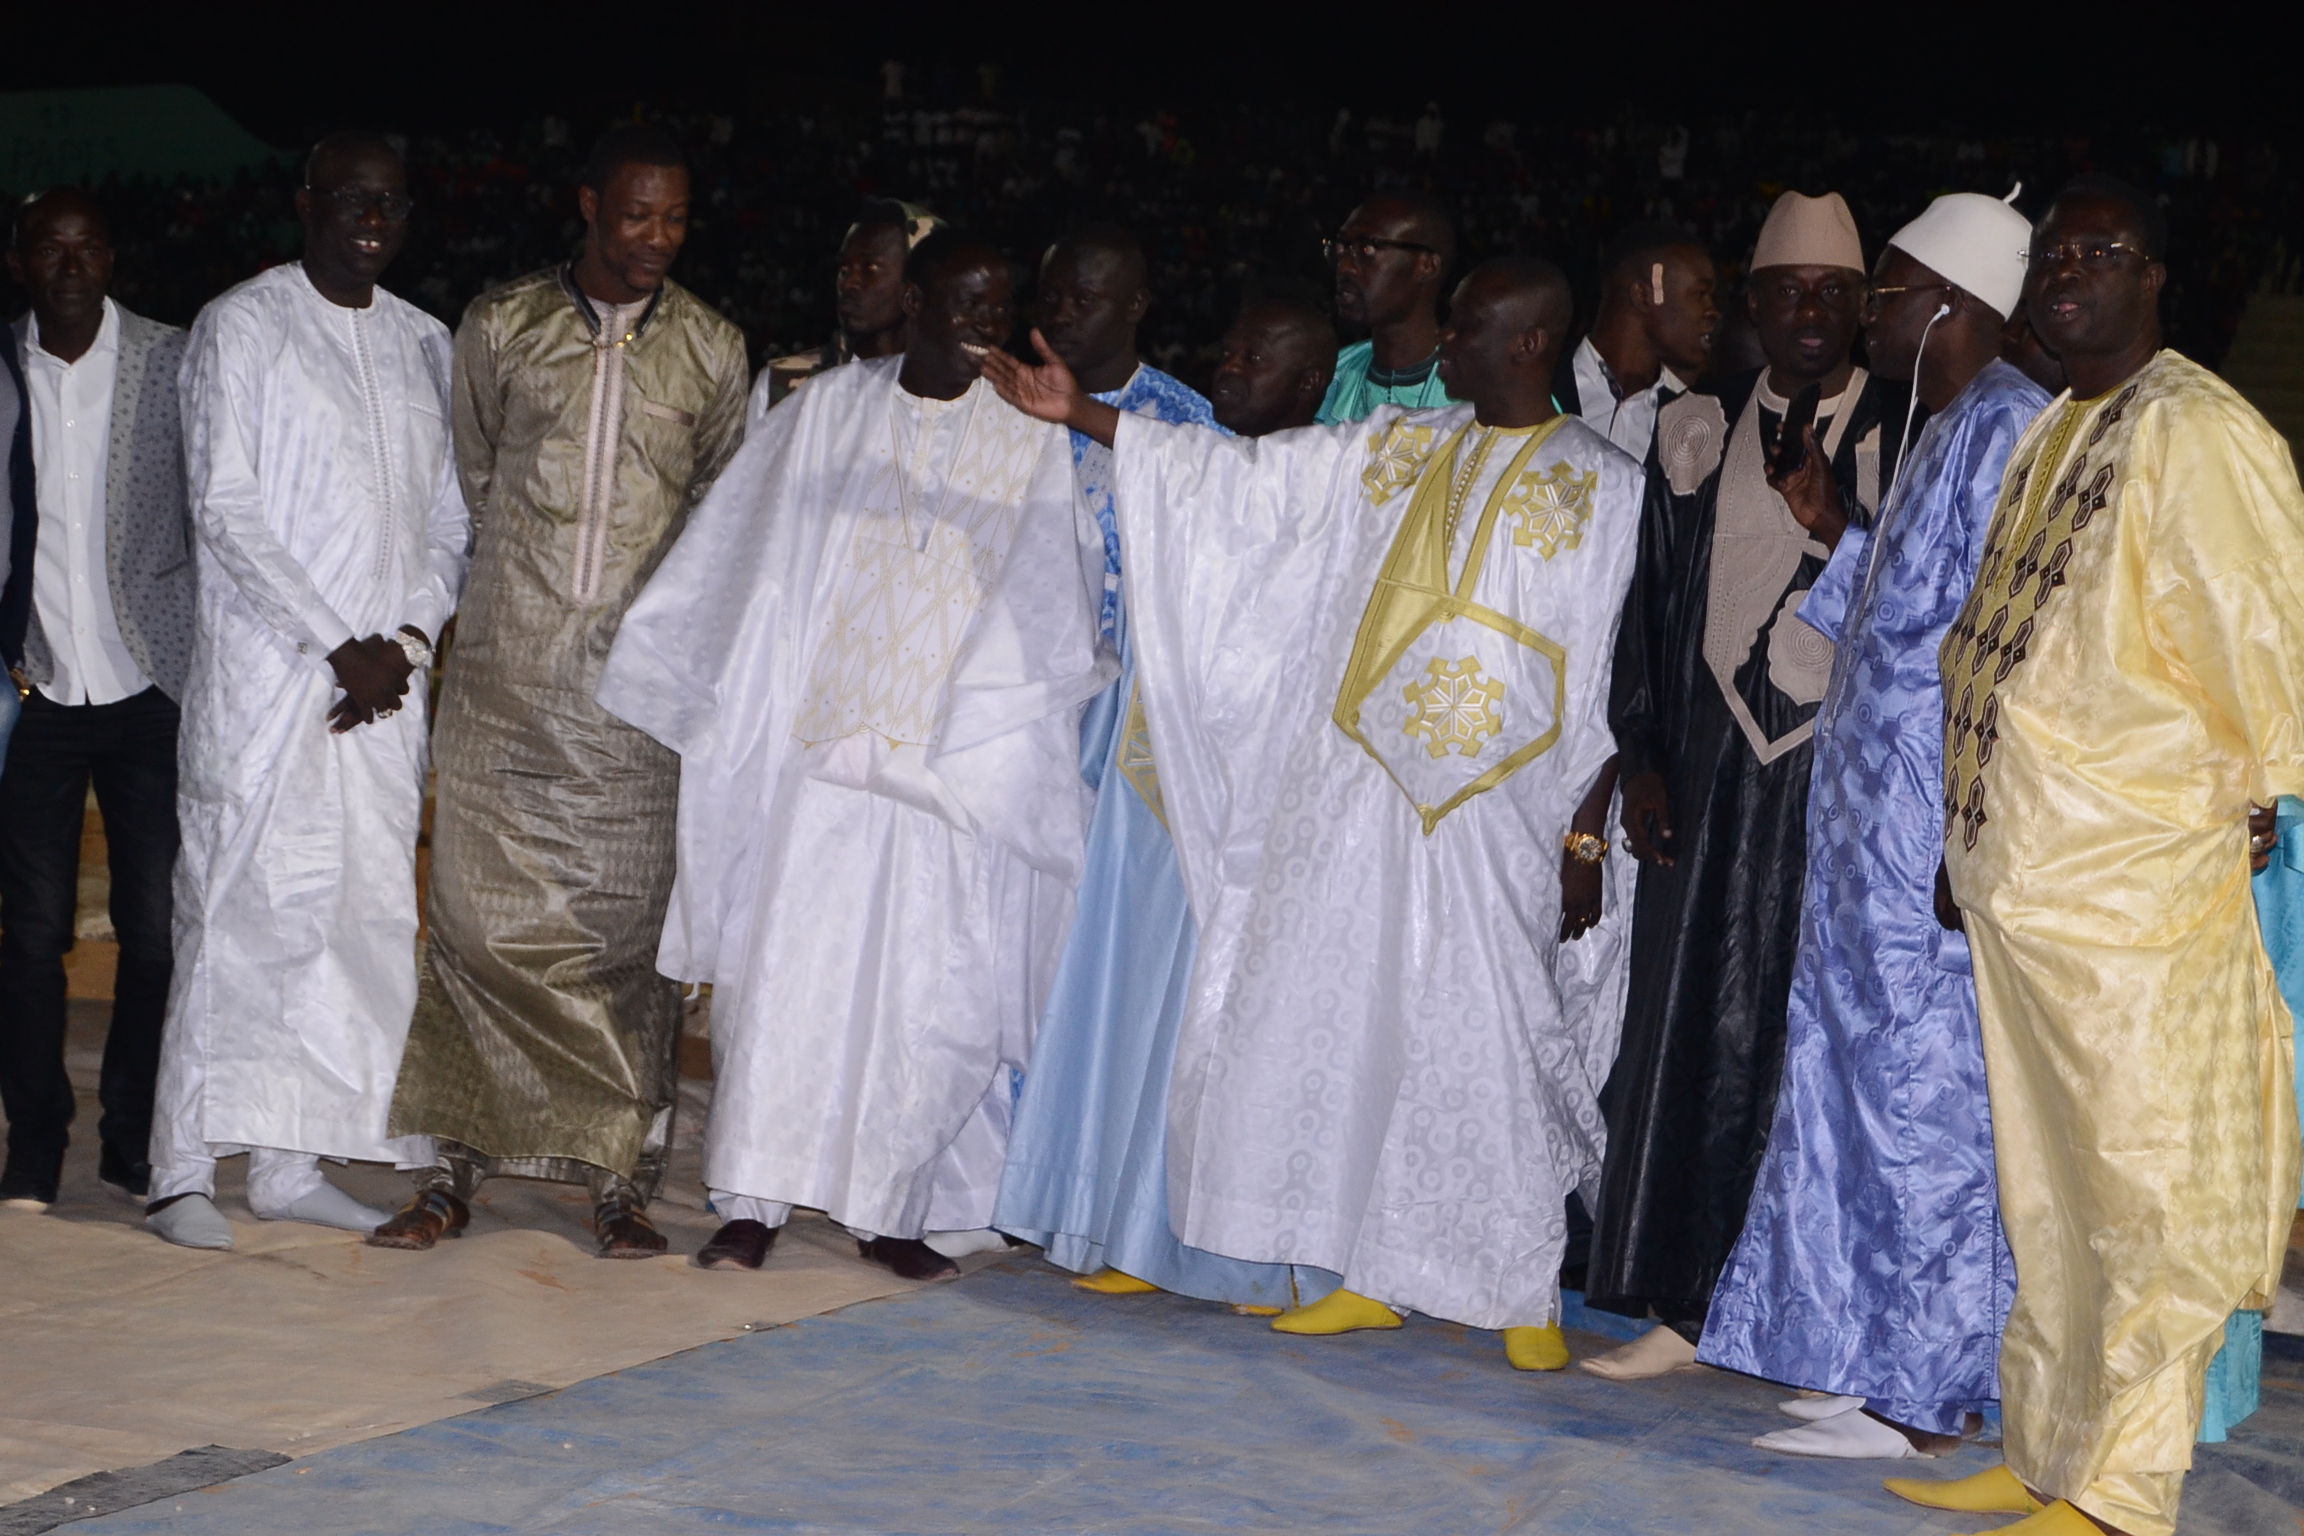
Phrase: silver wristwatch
pixel 417 649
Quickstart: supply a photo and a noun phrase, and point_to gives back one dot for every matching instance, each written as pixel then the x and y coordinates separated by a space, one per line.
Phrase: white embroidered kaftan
pixel 1376 660
pixel 326 507
pixel 870 647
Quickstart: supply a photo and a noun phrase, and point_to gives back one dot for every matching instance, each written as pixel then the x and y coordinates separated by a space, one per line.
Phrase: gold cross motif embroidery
pixel 1395 460
pixel 1457 707
pixel 1550 508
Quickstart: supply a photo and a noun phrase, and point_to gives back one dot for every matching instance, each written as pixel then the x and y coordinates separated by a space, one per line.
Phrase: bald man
pixel 1391 257
pixel 97 620
pixel 1087 1165
pixel 1374 659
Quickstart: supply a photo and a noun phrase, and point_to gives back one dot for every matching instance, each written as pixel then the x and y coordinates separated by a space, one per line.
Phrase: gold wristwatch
pixel 1586 847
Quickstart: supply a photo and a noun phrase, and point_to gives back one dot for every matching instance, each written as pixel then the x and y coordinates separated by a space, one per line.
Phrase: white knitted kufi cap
pixel 1974 242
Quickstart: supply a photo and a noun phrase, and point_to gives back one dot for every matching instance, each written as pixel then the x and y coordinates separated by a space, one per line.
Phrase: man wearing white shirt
pixel 95 623
pixel 1649 341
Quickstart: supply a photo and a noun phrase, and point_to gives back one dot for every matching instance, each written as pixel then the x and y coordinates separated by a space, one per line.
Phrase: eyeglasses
pixel 354 202
pixel 1364 247
pixel 1876 293
pixel 2092 255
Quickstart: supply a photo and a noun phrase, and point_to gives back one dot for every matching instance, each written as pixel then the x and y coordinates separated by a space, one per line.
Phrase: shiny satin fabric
pixel 1871 1262
pixel 2123 683
pixel 1375 1076
pixel 544 1036
pixel 879 919
pixel 325 505
pixel 1715 936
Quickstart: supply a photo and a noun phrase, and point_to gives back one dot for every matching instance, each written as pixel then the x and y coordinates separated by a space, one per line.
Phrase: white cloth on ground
pixel 325 504
pixel 870 647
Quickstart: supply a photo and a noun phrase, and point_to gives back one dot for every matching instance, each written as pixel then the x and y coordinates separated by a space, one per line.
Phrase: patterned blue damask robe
pixel 1087 1174
pixel 1872 1261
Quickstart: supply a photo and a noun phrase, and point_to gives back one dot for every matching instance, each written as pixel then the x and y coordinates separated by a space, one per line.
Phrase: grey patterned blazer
pixel 147 519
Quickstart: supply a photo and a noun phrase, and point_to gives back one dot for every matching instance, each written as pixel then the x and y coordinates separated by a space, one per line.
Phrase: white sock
pixel 1809 1409
pixel 1851 1436
pixel 1658 1352
pixel 287 1186
pixel 192 1222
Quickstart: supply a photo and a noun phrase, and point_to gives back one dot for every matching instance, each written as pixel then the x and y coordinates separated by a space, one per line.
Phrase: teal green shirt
pixel 1352 394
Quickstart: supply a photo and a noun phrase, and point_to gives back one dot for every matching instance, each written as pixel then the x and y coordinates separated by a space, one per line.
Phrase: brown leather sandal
pixel 423 1221
pixel 625 1232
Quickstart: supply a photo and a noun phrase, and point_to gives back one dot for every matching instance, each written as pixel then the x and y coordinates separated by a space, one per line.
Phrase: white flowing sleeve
pixel 447 544
pixel 663 673
pixel 222 390
pixel 1228 552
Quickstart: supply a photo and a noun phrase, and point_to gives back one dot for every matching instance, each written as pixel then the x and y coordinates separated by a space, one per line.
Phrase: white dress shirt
pixel 1629 422
pixel 71 585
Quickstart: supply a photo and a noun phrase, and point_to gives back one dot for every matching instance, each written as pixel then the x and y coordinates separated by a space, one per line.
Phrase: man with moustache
pixel 97 622
pixel 1391 258
pixel 1087 1175
pixel 870 649
pixel 332 545
pixel 1872 1267
pixel 1374 658
pixel 869 286
pixel 1716 687
pixel 595 402
pixel 2122 686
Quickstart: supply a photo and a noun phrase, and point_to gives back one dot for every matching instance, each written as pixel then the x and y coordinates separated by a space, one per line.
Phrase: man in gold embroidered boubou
pixel 1375 658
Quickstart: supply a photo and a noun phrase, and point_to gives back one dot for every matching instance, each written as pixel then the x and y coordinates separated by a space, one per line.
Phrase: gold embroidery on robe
pixel 1413 594
pixel 1395 460
pixel 1457 707
pixel 1551 508
pixel 1135 764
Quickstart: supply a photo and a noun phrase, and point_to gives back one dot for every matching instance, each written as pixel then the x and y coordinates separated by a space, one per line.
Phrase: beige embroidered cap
pixel 1809 232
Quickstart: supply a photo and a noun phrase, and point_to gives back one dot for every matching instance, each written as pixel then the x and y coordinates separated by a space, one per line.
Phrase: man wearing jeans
pixel 96 627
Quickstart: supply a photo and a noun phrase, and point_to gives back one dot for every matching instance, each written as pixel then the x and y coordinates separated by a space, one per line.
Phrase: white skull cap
pixel 1975 242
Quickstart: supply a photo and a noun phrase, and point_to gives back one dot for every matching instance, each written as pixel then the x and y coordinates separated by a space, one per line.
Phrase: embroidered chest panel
pixel 2048 504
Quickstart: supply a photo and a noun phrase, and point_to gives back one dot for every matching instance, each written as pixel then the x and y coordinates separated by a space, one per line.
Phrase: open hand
pixel 1813 494
pixel 1049 392
pixel 374 676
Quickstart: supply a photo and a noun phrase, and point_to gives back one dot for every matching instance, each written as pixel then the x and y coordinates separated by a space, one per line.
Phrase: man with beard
pixel 595 402
pixel 1716 687
pixel 870 649
pixel 1871 1267
pixel 1391 258
pixel 2122 686
pixel 332 545
pixel 1374 658
pixel 868 283
pixel 1087 1175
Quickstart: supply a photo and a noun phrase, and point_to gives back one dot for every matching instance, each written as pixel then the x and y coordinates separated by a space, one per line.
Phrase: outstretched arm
pixel 1049 391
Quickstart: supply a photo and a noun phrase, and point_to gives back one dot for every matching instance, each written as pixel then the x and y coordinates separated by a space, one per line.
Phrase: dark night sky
pixel 288 71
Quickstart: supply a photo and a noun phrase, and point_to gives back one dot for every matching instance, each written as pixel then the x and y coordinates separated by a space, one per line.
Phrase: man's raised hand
pixel 1049 391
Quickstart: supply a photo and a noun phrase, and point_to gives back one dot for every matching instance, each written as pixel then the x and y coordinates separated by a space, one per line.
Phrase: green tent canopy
pixel 51 138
